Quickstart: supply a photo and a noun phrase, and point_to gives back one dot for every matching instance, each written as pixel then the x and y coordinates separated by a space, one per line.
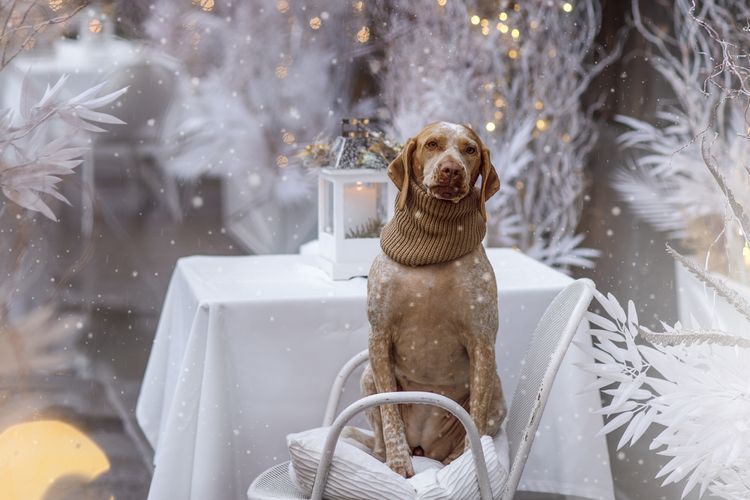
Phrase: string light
pixel 95 26
pixel 567 7
pixel 282 161
pixel 475 19
pixel 485 30
pixel 282 6
pixel 498 115
pixel 503 16
pixel 566 137
pixel 538 105
pixel 359 6
pixel 490 126
pixel 206 5
pixel 442 2
pixel 502 28
pixel 552 53
pixel 287 137
pixel 515 33
pixel 499 103
pixel 513 53
pixel 363 35
pixel 55 5
pixel 315 23
pixel 281 72
pixel 541 124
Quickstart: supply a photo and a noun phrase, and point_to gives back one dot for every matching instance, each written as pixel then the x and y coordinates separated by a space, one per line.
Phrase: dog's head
pixel 446 159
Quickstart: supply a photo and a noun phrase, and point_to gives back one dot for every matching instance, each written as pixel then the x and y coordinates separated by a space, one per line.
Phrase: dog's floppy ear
pixel 490 181
pixel 399 171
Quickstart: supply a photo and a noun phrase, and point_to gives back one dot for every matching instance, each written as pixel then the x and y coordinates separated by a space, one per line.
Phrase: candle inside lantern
pixel 360 206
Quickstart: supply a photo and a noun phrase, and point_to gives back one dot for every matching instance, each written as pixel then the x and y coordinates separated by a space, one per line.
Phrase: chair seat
pixel 274 484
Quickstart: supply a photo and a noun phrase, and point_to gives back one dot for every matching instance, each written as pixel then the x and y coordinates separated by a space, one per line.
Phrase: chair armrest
pixel 338 385
pixel 406 397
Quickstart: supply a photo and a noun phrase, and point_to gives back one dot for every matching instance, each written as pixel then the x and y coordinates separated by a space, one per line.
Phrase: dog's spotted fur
pixel 433 327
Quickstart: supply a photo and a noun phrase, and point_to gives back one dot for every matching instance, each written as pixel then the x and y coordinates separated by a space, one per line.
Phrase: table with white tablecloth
pixel 247 348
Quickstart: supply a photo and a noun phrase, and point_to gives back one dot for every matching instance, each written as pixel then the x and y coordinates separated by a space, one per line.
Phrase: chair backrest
pixel 550 341
pixel 143 108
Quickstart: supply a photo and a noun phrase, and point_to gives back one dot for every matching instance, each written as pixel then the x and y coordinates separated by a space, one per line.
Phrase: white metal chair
pixel 550 341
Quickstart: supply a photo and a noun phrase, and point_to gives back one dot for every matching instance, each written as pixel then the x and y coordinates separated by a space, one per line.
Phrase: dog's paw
pixel 401 465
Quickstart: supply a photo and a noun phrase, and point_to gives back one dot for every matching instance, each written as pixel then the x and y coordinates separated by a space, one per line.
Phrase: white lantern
pixel 353 206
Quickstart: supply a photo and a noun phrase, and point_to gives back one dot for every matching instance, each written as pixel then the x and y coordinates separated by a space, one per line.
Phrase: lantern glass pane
pixel 365 209
pixel 326 200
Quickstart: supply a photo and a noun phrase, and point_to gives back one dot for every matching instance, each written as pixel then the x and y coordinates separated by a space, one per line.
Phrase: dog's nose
pixel 450 171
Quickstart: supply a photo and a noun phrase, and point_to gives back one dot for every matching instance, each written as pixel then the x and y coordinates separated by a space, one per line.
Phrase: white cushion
pixel 355 474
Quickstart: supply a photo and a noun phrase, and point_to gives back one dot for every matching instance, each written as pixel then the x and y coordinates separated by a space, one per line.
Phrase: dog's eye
pixel 431 144
pixel 470 150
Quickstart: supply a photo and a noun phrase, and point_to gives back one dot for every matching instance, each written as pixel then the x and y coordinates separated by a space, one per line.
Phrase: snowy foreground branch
pixel 690 382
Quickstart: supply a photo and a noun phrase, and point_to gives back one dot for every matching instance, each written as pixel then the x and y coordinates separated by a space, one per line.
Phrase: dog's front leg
pixel 482 368
pixel 397 451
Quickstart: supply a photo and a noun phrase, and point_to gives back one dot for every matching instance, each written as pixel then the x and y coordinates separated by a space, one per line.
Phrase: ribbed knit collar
pixel 431 231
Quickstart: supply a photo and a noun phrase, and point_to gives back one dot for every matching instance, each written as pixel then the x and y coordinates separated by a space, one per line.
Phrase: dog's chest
pixel 430 313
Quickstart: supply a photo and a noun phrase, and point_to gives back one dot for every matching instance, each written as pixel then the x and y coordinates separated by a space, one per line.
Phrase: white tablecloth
pixel 247 347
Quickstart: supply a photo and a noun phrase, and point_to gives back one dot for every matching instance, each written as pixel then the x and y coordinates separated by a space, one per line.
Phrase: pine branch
pixel 369 229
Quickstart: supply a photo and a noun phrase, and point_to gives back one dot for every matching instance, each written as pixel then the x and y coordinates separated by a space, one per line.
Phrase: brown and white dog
pixel 433 327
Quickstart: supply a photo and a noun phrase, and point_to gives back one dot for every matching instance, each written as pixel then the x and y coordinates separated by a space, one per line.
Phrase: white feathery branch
pixel 440 67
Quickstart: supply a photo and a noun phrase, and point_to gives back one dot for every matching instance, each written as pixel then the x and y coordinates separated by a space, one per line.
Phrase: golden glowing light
pixel 538 105
pixel 475 20
pixel 485 30
pixel 490 126
pixel 517 7
pixel 746 255
pixel 287 137
pixel 363 35
pixel 567 7
pixel 498 115
pixel 503 16
pixel 358 5
pixel 519 185
pixel 95 26
pixel 56 5
pixel 515 33
pixel 442 2
pixel 513 54
pixel 35 455
pixel 282 6
pixel 315 23
pixel 566 137
pixel 485 23
pixel 281 72
pixel 541 124
pixel 499 103
pixel 282 161
pixel 502 28
pixel 206 5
